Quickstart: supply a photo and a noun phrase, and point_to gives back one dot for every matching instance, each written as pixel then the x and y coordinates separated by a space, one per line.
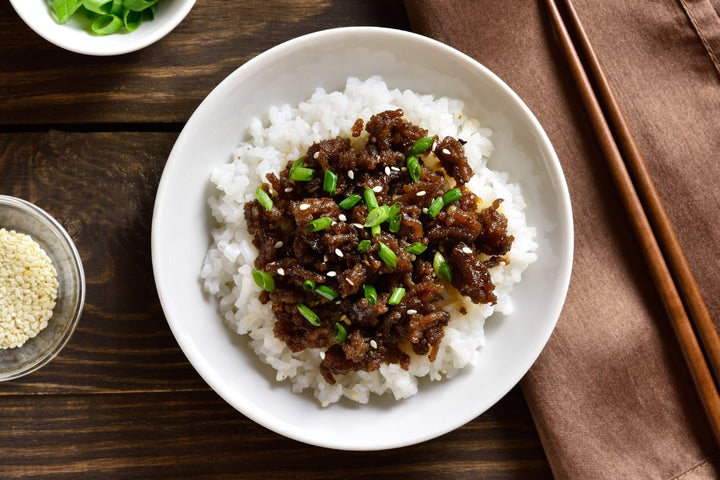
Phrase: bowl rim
pixel 51 222
pixel 104 48
pixel 205 369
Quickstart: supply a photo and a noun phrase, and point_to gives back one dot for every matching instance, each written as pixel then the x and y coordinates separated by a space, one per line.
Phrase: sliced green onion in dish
pixel 330 182
pixel 340 333
pixel 264 198
pixel 64 9
pixel 441 267
pixel 139 5
pixel 326 292
pixel 363 246
pixel 107 16
pixel 370 199
pixel 302 174
pixel 370 294
pixel 350 202
pixel 452 196
pixel 308 314
pixel 387 256
pixel 309 285
pixel 106 24
pixel 414 169
pixel 435 207
pixel 396 296
pixel 394 223
pixel 377 216
pixel 319 224
pixel 421 145
pixel 416 248
pixel 375 231
pixel 264 280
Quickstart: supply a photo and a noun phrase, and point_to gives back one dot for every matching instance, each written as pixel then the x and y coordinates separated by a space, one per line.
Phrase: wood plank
pixel 196 435
pixel 165 82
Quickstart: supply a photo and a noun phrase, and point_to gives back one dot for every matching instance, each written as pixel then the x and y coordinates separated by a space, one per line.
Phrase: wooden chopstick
pixel 644 234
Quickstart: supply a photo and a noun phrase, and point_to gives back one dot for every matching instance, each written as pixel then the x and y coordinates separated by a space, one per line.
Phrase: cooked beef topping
pixel 358 244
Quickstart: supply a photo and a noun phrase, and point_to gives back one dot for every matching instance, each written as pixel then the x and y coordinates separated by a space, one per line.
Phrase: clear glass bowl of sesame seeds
pixel 42 287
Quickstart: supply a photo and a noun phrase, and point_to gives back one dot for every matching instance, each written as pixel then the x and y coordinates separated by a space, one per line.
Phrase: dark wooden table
pixel 86 138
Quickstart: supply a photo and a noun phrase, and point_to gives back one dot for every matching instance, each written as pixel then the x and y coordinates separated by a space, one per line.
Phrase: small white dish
pixel 73 37
pixel 290 73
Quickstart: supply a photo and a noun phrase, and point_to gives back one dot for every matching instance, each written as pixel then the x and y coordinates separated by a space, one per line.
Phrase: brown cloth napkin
pixel 611 395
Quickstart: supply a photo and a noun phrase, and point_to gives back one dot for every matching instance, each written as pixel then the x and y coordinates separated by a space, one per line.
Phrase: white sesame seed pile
pixel 28 288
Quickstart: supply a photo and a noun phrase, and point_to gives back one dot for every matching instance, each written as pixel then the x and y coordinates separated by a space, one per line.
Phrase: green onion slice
pixel 106 24
pixel 350 202
pixel 414 168
pixel 363 246
pixel 309 285
pixel 264 280
pixel 330 182
pixel 370 294
pixel 394 223
pixel 264 198
pixel 64 9
pixel 377 216
pixel 139 5
pixel 416 248
pixel 435 207
pixel 375 231
pixel 387 256
pixel 319 224
pixel 340 333
pixel 132 20
pixel 326 292
pixel 421 145
pixel 302 174
pixel 370 199
pixel 100 7
pixel 452 196
pixel 308 314
pixel 441 267
pixel 396 296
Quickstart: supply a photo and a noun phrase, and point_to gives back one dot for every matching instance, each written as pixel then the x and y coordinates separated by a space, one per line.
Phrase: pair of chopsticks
pixel 654 233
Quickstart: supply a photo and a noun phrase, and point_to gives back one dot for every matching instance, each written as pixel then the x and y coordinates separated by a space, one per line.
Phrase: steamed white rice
pixel 290 131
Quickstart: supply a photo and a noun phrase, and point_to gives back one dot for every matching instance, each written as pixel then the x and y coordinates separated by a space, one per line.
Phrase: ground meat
pixel 328 270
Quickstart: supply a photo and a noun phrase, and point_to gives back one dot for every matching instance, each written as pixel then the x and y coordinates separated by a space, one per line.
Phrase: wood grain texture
pixel 86 139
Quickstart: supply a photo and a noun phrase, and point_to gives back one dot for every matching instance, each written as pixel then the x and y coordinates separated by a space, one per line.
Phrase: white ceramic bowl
pixel 290 73
pixel 23 217
pixel 72 36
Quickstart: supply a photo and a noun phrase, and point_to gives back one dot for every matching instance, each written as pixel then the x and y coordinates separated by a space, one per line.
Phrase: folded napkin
pixel 611 394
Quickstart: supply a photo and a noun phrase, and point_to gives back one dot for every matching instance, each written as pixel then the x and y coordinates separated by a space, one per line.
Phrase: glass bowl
pixel 24 217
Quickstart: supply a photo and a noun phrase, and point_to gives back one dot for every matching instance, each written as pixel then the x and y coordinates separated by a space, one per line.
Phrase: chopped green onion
pixel 441 267
pixel 64 9
pixel 319 224
pixel 264 280
pixel 370 294
pixel 394 223
pixel 132 20
pixel 451 196
pixel 387 256
pixel 302 174
pixel 377 216
pixel 375 231
pixel 396 296
pixel 106 24
pixel 108 16
pixel 421 145
pixel 370 199
pixel 394 209
pixel 414 168
pixel 416 248
pixel 100 7
pixel 309 285
pixel 300 162
pixel 264 198
pixel 435 207
pixel 138 5
pixel 350 202
pixel 330 182
pixel 326 292
pixel 340 333
pixel 309 315
pixel 363 246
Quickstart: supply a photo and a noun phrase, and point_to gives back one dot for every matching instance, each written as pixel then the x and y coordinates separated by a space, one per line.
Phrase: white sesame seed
pixel 373 343
pixel 304 206
pixel 358 225
pixel 350 282
pixel 351 174
pixel 425 210
pixel 387 170
pixel 411 312
pixel 403 169
pixel 325 258
pixel 279 244
pixel 395 169
pixel 446 151
pixel 331 273
pixel 434 145
pixel 316 155
pixel 377 189
pixel 467 250
pixel 281 271
pixel 325 403
pixel 288 189
pixel 338 252
pixel 322 355
pixel 421 193
pixel 342 217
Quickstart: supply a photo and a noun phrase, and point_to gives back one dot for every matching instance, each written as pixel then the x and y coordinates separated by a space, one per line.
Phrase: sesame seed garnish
pixel 342 217
pixel 288 189
pixel 411 311
pixel 395 169
pixel 373 343
pixel 377 189
pixel 304 206
pixel 434 145
pixel 338 252
pixel 322 355
pixel 358 225
pixel 421 193
pixel 325 258
pixel 316 155
pixel 425 210
pixel 403 169
pixel 281 271
pixel 467 250
pixel 332 273
pixel 446 151
pixel 387 170
pixel 279 244
pixel 351 174
pixel 350 282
